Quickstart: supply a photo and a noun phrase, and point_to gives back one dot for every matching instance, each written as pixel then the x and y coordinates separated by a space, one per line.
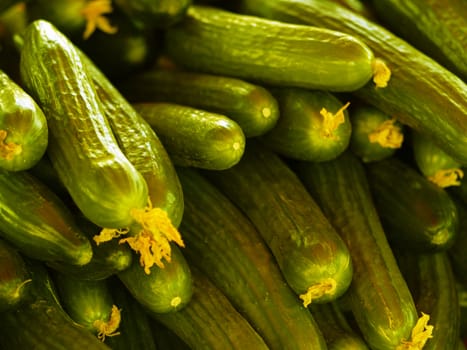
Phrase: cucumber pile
pixel 256 174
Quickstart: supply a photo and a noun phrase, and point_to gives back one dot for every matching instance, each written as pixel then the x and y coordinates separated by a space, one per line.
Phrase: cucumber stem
pixel 109 328
pixel 421 332
pixel 332 121
pixel 8 150
pixel 328 286
pixel 387 134
pixel 93 12
pixel 447 177
pixel 381 73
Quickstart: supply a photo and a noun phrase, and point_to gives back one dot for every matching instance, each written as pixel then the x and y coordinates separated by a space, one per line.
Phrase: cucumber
pixel 416 213
pixel 163 290
pixel 313 125
pixel 379 297
pixel 456 252
pixel 41 323
pixel 418 100
pixel 90 304
pixel 101 180
pixel 166 338
pixel 436 28
pixel 23 127
pixel 312 257
pixel 250 105
pixel 195 137
pixel 39 223
pixel 210 321
pixel 15 279
pixel 267 51
pixel 375 134
pixel 225 246
pixel 435 294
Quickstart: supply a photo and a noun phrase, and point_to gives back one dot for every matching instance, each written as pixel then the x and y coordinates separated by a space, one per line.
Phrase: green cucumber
pixel 375 134
pixel 210 321
pixel 434 27
pixel 268 51
pixel 15 279
pixel 250 105
pixel 420 92
pixel 416 213
pixel 435 294
pixel 312 257
pixel 89 303
pixel 23 127
pixel 379 297
pixel 313 125
pixel 224 245
pixel 163 290
pixel 101 180
pixel 39 223
pixel 166 338
pixel 195 137
pixel 40 322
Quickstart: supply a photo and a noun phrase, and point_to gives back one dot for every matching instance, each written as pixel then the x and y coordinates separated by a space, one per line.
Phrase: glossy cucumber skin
pixel 305 245
pixel 223 244
pixel 38 222
pixel 417 214
pixel 268 51
pixel 420 93
pixel 300 132
pixel 379 297
pixel 194 137
pixel 24 123
pixel 250 105
pixel 210 321
pixel 101 180
pixel 141 145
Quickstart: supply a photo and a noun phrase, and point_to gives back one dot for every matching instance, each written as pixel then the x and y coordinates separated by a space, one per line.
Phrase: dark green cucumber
pixel 195 137
pixel 435 27
pixel 165 338
pixel 313 125
pixel 163 290
pixel 38 222
pixel 15 279
pixel 223 244
pixel 268 51
pixel 250 105
pixel 457 251
pixel 40 323
pixel 375 134
pixel 23 127
pixel 89 303
pixel 310 253
pixel 210 321
pixel 416 213
pixel 379 297
pixel 101 180
pixel 435 293
pixel 420 93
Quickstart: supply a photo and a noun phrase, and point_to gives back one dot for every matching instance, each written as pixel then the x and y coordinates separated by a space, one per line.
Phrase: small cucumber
pixel 39 223
pixel 379 297
pixel 195 137
pixel 266 51
pixel 15 279
pixel 312 257
pixel 23 127
pixel 227 248
pixel 313 125
pixel 210 321
pixel 416 213
pixel 250 105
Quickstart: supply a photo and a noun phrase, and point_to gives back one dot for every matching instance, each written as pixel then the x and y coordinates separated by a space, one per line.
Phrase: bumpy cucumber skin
pixel 101 180
pixel 194 137
pixel 420 93
pixel 221 42
pixel 225 246
pixel 250 105
pixel 379 297
pixel 25 124
pixel 305 245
